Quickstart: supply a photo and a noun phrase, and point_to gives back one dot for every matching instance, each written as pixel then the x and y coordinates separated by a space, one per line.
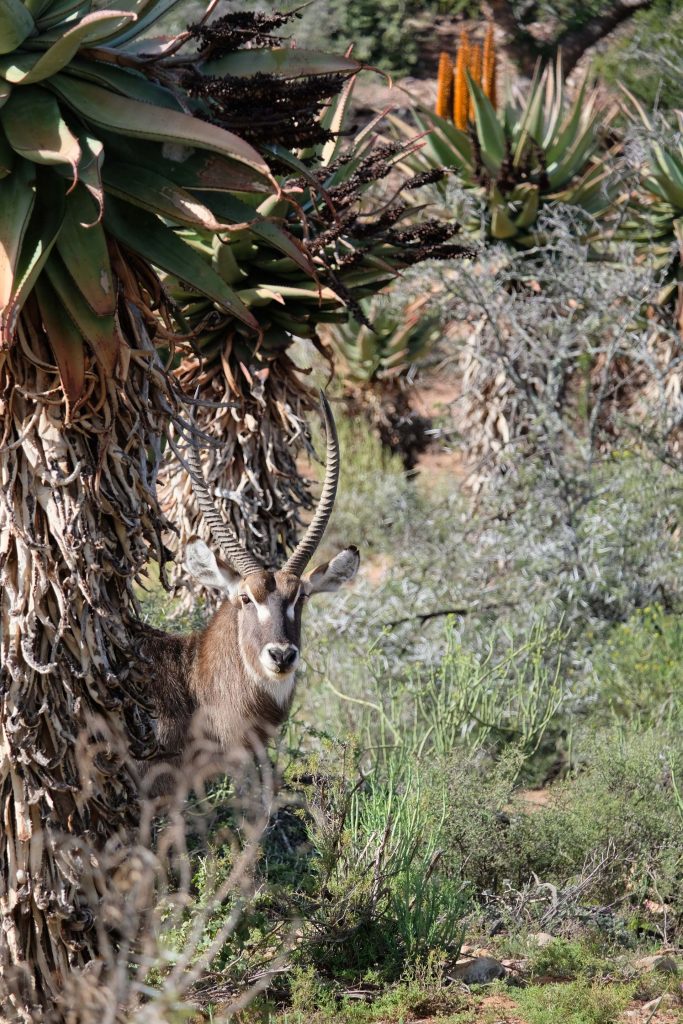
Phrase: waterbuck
pixel 234 680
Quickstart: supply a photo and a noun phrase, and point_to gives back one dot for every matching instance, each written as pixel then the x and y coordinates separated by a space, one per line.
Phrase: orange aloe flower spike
pixel 461 97
pixel 444 86
pixel 489 65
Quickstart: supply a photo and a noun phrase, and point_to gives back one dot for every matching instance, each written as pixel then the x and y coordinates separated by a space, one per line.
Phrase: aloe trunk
pixel 78 521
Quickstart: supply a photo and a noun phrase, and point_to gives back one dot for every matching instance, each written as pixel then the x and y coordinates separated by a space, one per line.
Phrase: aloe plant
pixel 539 149
pixel 389 344
pixel 654 218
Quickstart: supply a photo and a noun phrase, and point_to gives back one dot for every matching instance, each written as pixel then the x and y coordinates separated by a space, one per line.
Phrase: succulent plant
pixel 538 150
pixel 654 220
pixel 395 341
pixel 107 145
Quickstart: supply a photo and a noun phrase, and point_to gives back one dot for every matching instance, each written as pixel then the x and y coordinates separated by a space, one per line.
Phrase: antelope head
pixel 268 605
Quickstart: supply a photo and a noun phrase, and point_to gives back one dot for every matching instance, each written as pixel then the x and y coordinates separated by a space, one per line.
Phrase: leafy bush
pixel 638 671
pixel 645 58
pixel 382 30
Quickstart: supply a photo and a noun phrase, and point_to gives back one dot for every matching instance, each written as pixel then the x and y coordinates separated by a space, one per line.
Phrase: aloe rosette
pixel 540 149
pixel 108 144
pixel 654 218
pixel 396 340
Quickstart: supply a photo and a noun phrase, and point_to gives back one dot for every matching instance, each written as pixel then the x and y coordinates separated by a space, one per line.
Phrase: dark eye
pixel 244 599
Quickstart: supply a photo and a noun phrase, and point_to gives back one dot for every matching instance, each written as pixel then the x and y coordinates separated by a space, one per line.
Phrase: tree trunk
pixel 525 47
pixel 78 521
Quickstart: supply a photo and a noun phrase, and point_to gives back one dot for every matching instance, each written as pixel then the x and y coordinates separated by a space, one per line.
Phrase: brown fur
pixel 233 682
pixel 212 681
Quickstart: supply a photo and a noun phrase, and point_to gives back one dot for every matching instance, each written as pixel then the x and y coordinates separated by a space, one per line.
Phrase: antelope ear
pixel 331 575
pixel 203 566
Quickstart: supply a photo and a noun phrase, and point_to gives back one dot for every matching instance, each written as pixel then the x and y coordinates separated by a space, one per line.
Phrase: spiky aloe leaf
pixel 30 68
pixel 285 62
pixel 17 199
pixel 530 198
pixel 98 330
pixel 36 130
pixel 65 340
pixel 7 155
pixel 489 129
pixel 132 118
pixel 38 239
pixel 86 255
pixel 145 235
pixel 150 191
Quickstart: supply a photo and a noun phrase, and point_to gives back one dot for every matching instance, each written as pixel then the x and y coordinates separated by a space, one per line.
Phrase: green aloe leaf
pixel 36 130
pixel 5 92
pixel 7 155
pixel 27 69
pixel 283 61
pixel 573 160
pixel 571 126
pixel 132 118
pixel 16 24
pixel 555 101
pixel 489 129
pixel 120 81
pixel 90 169
pixel 333 120
pixel 148 13
pixel 501 225
pixel 36 7
pixel 146 235
pixel 453 136
pixel 39 238
pixel 529 120
pixel 85 254
pixel 144 188
pixel 65 340
pixel 99 331
pixel 59 12
pixel 669 190
pixel 191 169
pixel 529 194
pixel 232 211
pixel 17 198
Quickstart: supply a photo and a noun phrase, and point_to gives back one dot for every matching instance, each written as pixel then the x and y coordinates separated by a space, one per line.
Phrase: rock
pixel 662 963
pixel 480 970
pixel 541 939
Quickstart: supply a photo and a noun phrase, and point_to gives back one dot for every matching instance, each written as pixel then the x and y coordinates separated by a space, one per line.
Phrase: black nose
pixel 283 655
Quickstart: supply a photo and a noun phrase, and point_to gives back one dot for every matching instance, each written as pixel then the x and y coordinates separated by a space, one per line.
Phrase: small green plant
pixel 562 960
pixel 395 340
pixel 579 1002
pixel 639 670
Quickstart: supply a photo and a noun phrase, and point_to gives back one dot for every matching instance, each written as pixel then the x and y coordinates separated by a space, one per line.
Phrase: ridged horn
pixel 233 552
pixel 307 546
